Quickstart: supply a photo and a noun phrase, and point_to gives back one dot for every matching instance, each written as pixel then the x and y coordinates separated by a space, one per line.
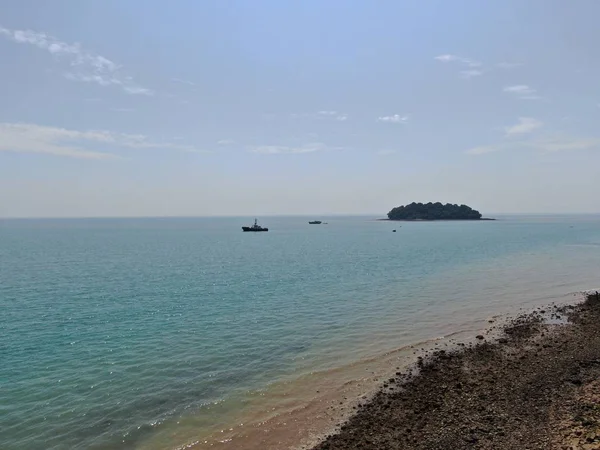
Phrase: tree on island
pixel 434 211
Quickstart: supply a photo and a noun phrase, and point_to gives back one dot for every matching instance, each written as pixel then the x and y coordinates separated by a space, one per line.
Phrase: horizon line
pixel 225 216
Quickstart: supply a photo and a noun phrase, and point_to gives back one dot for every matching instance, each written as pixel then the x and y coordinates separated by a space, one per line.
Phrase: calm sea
pixel 113 332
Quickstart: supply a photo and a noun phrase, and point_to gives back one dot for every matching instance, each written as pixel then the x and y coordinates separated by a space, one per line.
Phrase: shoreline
pixel 435 220
pixel 535 386
pixel 297 413
pixel 309 409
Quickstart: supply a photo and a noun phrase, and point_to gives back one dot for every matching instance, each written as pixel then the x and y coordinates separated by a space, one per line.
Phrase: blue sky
pixel 148 108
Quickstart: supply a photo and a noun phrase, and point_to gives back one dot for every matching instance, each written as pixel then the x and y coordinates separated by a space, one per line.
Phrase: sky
pixel 263 107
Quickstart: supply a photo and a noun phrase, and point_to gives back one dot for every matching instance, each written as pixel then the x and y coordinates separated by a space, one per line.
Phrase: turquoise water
pixel 112 329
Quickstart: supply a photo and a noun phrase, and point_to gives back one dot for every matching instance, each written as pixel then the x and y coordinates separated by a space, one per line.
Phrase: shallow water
pixel 152 333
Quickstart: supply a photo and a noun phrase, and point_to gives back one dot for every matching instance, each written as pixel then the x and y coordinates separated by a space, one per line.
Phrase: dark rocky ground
pixel 537 387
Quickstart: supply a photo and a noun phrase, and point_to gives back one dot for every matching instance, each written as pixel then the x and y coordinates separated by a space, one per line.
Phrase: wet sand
pixel 298 413
pixel 536 386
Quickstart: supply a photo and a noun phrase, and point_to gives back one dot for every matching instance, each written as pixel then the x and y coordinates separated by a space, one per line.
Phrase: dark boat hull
pixel 254 229
pixel 316 222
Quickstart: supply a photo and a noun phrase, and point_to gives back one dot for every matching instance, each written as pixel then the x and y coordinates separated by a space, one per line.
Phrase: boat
pixel 255 227
pixel 315 222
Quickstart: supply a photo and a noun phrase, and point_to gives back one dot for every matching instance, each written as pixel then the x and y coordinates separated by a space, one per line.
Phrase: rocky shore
pixel 535 387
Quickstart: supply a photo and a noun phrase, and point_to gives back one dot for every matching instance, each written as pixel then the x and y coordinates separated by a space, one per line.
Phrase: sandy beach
pixel 537 386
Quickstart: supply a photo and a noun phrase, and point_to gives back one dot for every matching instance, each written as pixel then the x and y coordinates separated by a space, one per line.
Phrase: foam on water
pixel 155 333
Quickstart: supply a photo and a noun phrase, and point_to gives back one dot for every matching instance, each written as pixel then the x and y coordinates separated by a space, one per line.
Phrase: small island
pixel 434 211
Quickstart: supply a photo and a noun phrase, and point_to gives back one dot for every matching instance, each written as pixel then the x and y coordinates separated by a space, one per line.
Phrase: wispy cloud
pixel 325 114
pixel 338 116
pixel 283 149
pixel 179 80
pixel 123 109
pixel 565 143
pixel 508 65
pixel 525 125
pixel 84 66
pixel 522 91
pixel 482 150
pixel 137 90
pixel 386 152
pixel 459 59
pixel 473 67
pixel 225 142
pixel 32 138
pixel 396 118
pixel 519 89
pixel 28 138
pixel 471 73
pixel 543 144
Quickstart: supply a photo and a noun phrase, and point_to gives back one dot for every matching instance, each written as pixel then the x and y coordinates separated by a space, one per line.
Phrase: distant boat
pixel 255 227
pixel 315 222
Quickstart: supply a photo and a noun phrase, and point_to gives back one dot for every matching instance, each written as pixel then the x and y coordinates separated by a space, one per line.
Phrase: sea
pixel 173 333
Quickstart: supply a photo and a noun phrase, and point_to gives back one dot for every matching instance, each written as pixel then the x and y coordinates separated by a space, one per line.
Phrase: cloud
pixel 325 114
pixel 459 59
pixel 447 58
pixel 519 89
pixel 470 63
pixel 137 90
pixel 32 138
pixel 84 66
pixel 471 73
pixel 473 65
pixel 522 91
pixel 26 138
pixel 565 143
pixel 507 65
pixel 226 142
pixel 282 149
pixel 483 150
pixel 386 152
pixel 179 80
pixel 525 125
pixel 123 109
pixel 396 118
pixel 544 144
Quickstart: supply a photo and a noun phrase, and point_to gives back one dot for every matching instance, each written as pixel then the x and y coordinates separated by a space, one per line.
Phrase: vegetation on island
pixel 434 211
